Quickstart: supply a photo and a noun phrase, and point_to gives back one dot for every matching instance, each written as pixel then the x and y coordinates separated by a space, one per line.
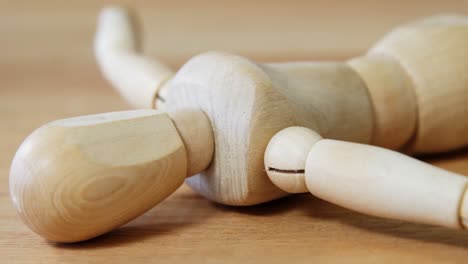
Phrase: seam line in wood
pixel 286 171
pixel 159 98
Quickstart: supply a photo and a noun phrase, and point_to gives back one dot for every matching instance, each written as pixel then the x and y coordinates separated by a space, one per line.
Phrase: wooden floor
pixel 47 72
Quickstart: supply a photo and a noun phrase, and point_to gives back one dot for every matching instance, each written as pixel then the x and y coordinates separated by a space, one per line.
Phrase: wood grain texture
pixel 74 179
pixel 41 80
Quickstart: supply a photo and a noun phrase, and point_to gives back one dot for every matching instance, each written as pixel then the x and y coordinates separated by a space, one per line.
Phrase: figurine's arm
pixel 138 79
pixel 366 179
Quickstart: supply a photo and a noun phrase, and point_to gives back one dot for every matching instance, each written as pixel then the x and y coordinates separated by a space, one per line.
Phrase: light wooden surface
pixel 47 72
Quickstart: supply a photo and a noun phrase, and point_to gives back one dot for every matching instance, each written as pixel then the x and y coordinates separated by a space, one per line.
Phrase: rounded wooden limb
pixel 138 79
pixel 78 178
pixel 369 179
pixel 286 155
pixel 384 183
pixel 464 208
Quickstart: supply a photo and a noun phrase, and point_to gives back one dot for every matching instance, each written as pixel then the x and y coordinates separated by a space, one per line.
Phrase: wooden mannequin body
pixel 246 107
pixel 227 105
pixel 372 99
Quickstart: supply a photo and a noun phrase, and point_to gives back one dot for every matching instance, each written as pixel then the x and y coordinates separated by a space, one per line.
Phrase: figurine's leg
pixel 138 79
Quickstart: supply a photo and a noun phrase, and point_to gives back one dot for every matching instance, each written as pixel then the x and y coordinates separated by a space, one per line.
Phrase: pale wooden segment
pixel 77 178
pixel 197 134
pixel 393 100
pixel 463 210
pixel 384 183
pixel 433 53
pixel 328 97
pixel 286 156
pixel 135 77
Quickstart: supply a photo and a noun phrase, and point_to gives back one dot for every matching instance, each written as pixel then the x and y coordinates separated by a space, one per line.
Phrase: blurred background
pixel 46 55
pixel 52 40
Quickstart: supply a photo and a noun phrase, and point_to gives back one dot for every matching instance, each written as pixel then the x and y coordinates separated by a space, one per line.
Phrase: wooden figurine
pixel 77 178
